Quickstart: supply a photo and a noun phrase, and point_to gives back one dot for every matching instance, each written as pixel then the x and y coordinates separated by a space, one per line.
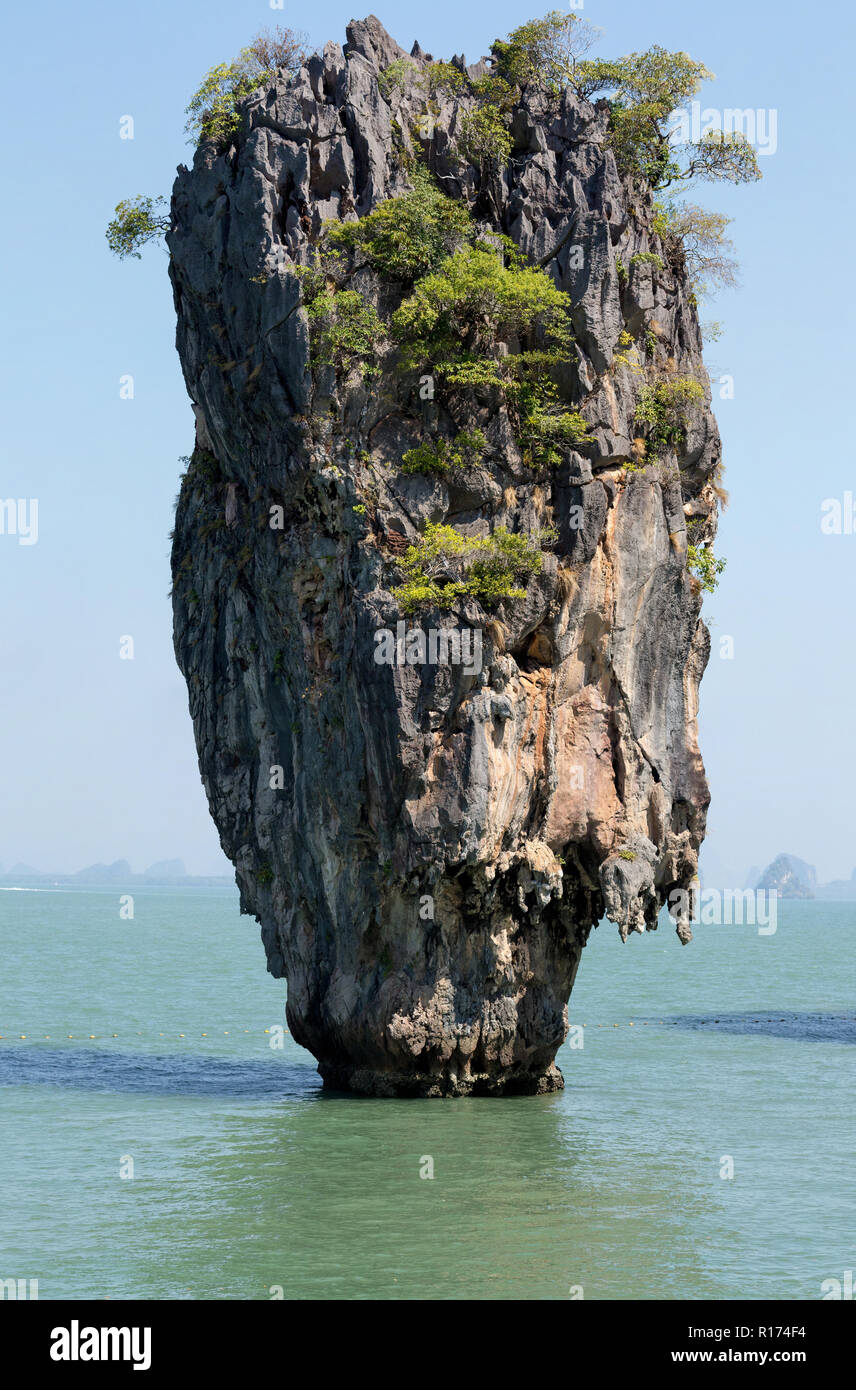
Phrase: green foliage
pixel 469 297
pixel 663 408
pixel 204 465
pixel 443 455
pixel 458 317
pixel 544 427
pixel 702 563
pixel 466 371
pixel 544 52
pixel 648 258
pixel 408 236
pixel 394 76
pixel 495 90
pixel 473 300
pixel 446 566
pixel 621 357
pixel 697 237
pixel 429 81
pixel 548 432
pixel 344 328
pixel 644 89
pixel 726 155
pixel 265 874
pixel 319 277
pixel 627 854
pixel 135 224
pixel 661 220
pixel 621 271
pixel 484 138
pixel 212 112
pixel 444 77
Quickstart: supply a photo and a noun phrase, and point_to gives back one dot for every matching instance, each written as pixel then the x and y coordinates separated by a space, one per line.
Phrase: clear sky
pixel 97 753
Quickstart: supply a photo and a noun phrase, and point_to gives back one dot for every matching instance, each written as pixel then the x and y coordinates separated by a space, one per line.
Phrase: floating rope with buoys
pixel 226 1033
pixel 97 1037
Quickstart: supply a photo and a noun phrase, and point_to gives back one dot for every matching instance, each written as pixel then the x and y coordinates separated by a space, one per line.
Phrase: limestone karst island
pixel 445 532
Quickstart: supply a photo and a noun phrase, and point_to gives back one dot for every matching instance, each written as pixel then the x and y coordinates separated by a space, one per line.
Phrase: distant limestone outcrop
pixel 165 871
pixel 789 877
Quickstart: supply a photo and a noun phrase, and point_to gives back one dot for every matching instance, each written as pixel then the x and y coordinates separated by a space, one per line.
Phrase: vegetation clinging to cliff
pixel 470 295
pixel 475 299
pixel 212 112
pixel 345 328
pixel 446 566
pixel 409 236
pixel 643 91
pixel 475 313
pixel 695 237
pixel 663 408
pixel 442 455
pixel 704 566
pixel 545 51
pixel 135 223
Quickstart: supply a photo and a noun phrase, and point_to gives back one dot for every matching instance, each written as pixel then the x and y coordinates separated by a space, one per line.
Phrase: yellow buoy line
pixel 226 1033
pixel 93 1037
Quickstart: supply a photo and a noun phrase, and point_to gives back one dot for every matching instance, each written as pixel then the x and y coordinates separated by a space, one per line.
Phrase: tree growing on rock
pixel 212 114
pixel 135 223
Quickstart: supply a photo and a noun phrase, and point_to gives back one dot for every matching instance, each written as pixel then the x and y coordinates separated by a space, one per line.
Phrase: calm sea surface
pixel 248 1179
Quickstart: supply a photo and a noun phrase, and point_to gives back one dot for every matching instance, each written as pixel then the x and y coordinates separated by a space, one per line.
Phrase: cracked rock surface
pixel 429 861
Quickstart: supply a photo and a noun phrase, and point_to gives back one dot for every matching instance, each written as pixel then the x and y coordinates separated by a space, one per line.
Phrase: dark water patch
pixel 799 1027
pixel 90 1069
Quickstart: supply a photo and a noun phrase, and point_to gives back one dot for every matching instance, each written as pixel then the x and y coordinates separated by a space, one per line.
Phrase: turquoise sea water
pixel 248 1179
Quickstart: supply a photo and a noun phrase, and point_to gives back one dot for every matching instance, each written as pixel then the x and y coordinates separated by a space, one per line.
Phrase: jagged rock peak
pixel 369 38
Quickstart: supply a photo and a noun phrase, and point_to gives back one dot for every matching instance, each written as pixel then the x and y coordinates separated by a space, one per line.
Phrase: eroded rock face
pixel 428 865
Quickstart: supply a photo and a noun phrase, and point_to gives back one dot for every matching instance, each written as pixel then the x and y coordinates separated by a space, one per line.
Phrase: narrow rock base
pixel 439 1085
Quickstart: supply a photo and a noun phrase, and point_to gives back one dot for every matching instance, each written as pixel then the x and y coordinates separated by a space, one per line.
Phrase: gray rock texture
pixel 429 863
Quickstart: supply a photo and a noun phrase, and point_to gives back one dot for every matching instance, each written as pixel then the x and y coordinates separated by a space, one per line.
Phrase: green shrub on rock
pixel 484 138
pixel 544 52
pixel 212 112
pixel 394 76
pixel 548 433
pixel 444 77
pixel 474 300
pixel 345 328
pixel 135 224
pixel 703 564
pixel 647 258
pixel 446 566
pixel 663 408
pixel 408 236
pixel 443 455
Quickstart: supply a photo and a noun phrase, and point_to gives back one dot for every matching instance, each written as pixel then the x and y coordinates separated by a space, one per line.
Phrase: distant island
pixel 792 877
pixel 165 873
pixel 789 877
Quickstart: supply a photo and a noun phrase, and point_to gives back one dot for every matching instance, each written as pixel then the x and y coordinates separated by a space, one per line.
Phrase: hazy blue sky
pixel 97 753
